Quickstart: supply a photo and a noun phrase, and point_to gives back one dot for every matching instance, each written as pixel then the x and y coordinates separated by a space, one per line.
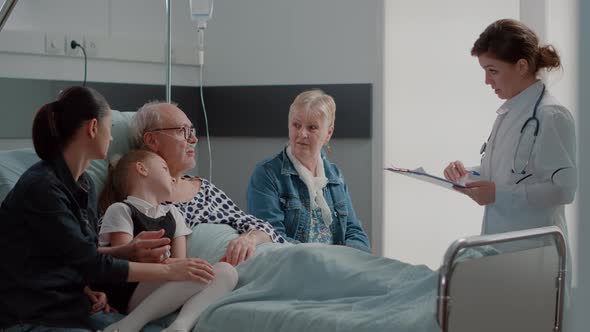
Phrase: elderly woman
pixel 299 191
pixel 166 130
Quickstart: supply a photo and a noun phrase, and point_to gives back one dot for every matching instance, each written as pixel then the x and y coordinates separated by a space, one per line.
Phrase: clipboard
pixel 420 174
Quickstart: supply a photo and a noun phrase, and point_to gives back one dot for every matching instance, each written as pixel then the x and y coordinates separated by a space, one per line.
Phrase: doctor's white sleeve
pixel 554 179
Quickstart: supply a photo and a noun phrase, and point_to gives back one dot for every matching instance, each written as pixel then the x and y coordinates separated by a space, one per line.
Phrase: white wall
pixel 581 299
pixel 555 22
pixel 126 27
pixel 254 42
pixel 436 109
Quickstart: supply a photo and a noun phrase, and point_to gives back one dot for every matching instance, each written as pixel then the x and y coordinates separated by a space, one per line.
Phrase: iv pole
pixel 168 52
pixel 5 11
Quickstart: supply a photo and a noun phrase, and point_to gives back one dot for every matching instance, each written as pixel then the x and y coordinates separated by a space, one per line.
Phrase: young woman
pixel 49 225
pixel 528 168
pixel 138 184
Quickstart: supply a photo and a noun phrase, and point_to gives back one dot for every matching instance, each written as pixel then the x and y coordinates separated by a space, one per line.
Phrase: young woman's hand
pixel 482 192
pixel 190 269
pixel 455 171
pixel 240 248
pixel 149 247
pixel 98 300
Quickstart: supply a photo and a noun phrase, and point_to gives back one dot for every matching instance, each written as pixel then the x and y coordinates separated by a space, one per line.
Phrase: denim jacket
pixel 277 194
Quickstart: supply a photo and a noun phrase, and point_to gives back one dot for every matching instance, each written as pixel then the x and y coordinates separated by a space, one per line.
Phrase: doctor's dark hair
pixel 510 40
pixel 56 123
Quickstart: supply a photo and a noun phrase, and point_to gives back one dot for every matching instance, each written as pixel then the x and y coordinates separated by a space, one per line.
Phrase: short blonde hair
pixel 316 101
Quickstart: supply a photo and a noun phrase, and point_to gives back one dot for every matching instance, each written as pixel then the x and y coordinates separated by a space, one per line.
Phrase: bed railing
pixel 546 273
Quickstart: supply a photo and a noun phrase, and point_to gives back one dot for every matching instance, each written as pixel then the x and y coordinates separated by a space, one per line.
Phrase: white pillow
pixel 119 146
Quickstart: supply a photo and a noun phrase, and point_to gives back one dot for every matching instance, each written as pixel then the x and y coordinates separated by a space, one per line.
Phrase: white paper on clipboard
pixel 420 174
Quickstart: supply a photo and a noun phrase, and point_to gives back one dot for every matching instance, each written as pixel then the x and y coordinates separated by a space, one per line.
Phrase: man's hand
pixel 240 249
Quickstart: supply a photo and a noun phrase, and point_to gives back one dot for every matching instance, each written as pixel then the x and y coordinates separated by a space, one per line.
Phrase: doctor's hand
pixel 482 192
pixel 455 171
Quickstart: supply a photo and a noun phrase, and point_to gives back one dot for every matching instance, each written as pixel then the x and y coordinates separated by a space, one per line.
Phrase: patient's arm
pixel 244 246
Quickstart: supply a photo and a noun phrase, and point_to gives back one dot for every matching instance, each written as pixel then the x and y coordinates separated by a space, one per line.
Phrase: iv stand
pixel 6 10
pixel 168 52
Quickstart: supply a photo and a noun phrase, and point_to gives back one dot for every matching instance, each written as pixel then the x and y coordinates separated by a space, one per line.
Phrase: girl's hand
pixel 482 192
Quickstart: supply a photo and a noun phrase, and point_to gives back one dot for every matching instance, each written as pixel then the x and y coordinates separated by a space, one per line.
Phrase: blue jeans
pixel 98 321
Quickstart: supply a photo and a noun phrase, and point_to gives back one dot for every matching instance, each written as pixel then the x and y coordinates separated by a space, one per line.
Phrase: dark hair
pixel 116 187
pixel 56 123
pixel 510 40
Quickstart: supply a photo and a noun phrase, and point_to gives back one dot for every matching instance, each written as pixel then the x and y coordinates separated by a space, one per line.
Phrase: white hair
pixel 146 118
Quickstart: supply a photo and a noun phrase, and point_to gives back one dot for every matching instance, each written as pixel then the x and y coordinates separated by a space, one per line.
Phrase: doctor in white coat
pixel 528 167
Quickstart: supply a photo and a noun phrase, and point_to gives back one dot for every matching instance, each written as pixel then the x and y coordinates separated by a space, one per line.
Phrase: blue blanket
pixel 314 287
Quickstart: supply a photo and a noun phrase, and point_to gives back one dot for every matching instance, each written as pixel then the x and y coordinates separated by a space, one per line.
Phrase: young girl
pixel 138 184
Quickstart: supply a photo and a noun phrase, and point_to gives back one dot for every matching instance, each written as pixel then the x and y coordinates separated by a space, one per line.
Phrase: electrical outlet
pixel 91 46
pixel 74 51
pixel 54 43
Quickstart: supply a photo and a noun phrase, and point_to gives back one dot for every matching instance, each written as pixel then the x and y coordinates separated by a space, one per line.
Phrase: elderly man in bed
pixel 165 129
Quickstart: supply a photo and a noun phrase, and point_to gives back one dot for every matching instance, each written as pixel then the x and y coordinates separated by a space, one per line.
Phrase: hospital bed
pixel 315 287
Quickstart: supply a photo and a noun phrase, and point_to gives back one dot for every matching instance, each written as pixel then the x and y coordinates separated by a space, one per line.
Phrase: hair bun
pixel 55 106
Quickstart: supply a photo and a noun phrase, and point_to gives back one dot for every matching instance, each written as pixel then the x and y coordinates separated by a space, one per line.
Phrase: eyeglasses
pixel 187 132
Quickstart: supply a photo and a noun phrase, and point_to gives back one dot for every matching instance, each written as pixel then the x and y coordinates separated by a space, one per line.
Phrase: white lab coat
pixel 537 198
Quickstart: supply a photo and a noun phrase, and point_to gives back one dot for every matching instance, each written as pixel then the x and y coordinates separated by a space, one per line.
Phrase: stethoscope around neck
pixel 532 121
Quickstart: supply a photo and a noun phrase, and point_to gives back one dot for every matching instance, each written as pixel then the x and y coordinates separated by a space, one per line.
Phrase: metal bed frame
pixel 444 300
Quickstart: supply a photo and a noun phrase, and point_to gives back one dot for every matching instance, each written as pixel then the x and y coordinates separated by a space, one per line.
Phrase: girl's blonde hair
pixel 116 187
